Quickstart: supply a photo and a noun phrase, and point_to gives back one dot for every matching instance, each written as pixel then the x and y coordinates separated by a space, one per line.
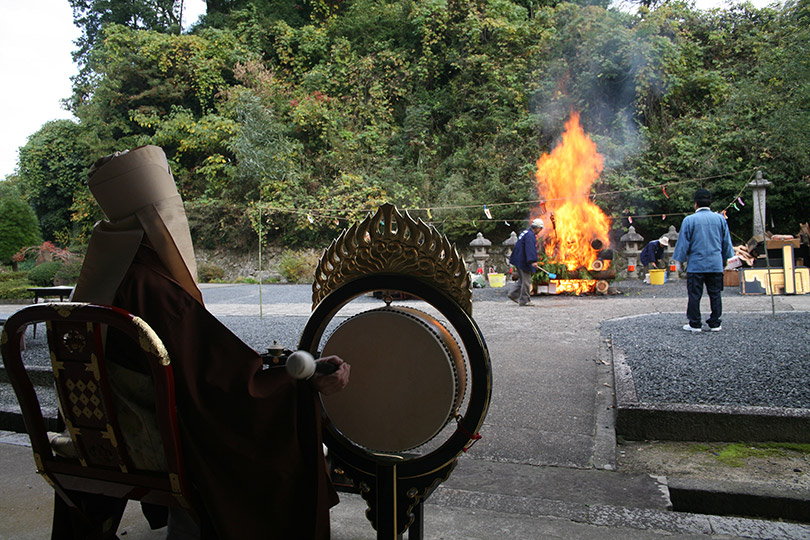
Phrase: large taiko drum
pixel 408 379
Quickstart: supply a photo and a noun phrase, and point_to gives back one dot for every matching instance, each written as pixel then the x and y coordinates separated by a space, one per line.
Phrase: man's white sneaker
pixel 688 328
pixel 716 328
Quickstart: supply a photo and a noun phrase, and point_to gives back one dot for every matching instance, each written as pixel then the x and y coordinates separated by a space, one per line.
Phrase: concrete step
pixel 10 414
pixel 507 482
pixel 36 358
pixel 612 499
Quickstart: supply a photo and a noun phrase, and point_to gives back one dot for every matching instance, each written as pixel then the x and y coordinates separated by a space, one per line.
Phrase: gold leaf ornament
pixel 390 242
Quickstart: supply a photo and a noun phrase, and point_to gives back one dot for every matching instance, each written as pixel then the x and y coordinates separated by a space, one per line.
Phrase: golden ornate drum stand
pixel 391 252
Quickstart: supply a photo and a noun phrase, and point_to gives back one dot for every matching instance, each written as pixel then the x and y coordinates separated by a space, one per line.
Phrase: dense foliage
pixel 19 226
pixel 52 169
pixel 291 117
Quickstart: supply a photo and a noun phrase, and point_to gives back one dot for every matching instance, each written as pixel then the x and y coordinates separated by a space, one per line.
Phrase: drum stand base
pixel 396 504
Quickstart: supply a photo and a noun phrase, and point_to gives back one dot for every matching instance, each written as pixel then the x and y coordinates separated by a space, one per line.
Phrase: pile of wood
pixel 755 247
pixel 745 255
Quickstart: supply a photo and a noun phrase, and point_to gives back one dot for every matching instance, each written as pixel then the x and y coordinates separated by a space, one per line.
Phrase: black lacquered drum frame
pixel 396 485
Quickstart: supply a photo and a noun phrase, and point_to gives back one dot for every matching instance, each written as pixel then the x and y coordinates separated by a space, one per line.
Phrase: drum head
pixel 407 379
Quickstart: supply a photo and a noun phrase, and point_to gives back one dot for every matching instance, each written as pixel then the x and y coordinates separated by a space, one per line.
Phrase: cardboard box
pixel 731 278
pixel 778 244
pixel 550 288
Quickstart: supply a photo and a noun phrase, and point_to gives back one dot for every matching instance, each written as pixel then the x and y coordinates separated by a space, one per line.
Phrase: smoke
pixel 608 68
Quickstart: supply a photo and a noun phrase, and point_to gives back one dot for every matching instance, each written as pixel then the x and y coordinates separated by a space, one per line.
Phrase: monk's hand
pixel 334 382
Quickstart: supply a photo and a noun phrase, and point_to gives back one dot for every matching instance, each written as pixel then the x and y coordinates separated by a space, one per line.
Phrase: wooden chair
pixel 75 336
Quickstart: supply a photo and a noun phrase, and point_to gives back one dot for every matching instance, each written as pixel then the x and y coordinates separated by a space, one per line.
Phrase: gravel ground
pixel 757 359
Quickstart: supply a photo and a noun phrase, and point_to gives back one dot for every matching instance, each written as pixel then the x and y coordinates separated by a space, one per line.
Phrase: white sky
pixel 36 42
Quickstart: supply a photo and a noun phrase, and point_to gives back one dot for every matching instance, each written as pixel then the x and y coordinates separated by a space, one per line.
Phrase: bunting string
pixel 339 215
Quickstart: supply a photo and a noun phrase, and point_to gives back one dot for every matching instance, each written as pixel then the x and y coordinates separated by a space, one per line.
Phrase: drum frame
pixel 394 484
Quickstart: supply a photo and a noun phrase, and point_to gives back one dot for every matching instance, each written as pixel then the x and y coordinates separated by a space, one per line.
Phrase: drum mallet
pixel 302 365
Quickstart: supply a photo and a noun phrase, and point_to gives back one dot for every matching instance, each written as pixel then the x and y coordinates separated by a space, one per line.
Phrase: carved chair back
pixel 88 405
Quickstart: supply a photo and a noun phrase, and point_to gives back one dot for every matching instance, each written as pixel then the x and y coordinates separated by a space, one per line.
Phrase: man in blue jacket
pixel 654 252
pixel 524 259
pixel 705 242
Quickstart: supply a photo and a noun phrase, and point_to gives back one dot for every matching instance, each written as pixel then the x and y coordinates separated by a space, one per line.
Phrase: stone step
pixel 10 415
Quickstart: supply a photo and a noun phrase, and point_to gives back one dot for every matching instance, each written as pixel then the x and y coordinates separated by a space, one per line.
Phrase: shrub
pixel 19 226
pixel 43 274
pixel 68 274
pixel 215 223
pixel 14 286
pixel 12 276
pixel 298 266
pixel 207 272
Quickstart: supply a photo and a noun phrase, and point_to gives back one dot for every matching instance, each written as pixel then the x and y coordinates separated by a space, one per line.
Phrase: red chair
pixel 87 405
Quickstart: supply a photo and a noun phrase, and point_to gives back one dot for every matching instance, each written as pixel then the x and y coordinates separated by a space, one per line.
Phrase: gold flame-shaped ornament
pixel 390 242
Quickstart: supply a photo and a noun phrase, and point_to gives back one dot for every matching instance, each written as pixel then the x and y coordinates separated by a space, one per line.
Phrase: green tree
pixel 198 149
pixel 269 166
pixel 19 226
pixel 328 107
pixel 154 88
pixel 52 173
pixel 92 16
pixel 736 102
pixel 149 73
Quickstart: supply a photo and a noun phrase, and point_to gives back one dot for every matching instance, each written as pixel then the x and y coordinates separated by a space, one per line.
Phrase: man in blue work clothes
pixel 704 241
pixel 524 259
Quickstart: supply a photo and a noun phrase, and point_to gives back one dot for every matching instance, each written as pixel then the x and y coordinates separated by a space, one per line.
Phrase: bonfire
pixel 576 235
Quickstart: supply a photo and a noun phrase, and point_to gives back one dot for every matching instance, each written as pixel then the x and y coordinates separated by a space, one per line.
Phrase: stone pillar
pixel 480 252
pixel 672 234
pixel 630 241
pixel 758 186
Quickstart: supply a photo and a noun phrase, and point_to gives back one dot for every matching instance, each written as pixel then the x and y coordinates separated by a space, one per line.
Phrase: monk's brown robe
pixel 251 436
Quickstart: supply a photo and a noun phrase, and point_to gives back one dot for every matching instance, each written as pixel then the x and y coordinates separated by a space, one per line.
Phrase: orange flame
pixel 576 286
pixel 564 180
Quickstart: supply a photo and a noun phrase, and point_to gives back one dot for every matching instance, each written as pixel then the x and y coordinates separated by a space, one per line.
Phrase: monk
pixel 251 436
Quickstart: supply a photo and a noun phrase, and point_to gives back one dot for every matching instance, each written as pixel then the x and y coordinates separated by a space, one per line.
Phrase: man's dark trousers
pixel 714 288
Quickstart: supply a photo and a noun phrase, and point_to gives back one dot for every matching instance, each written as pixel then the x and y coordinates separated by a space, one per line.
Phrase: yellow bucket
pixel 658 277
pixel 497 280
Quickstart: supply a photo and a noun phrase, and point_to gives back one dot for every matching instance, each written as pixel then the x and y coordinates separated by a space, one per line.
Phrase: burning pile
pixel 576 229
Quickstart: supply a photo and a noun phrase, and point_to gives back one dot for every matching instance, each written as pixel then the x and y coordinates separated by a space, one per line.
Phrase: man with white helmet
pixel 524 259
pixel 653 252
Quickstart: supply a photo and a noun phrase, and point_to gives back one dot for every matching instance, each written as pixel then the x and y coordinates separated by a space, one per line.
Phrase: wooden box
pixel 731 278
pixel 765 281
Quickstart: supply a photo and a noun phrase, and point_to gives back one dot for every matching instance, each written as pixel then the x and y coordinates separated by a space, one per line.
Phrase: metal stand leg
pixel 387 503
pixel 416 529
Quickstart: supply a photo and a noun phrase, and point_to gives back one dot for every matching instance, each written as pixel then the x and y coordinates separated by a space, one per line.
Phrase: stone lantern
pixel 480 252
pixel 630 242
pixel 509 244
pixel 672 234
